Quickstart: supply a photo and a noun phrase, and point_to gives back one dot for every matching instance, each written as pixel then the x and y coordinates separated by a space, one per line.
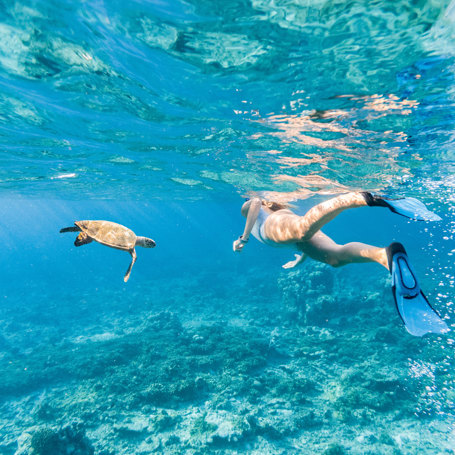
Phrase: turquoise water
pixel 163 116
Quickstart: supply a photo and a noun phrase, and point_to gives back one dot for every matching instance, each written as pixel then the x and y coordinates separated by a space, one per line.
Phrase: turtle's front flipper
pixel 82 239
pixel 133 260
pixel 70 229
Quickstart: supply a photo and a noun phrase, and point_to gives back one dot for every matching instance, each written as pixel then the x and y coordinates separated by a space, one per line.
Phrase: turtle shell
pixel 108 233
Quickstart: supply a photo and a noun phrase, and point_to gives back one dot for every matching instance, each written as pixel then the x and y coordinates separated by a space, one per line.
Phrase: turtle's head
pixel 145 242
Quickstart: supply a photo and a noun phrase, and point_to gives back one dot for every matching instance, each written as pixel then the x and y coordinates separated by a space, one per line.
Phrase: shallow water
pixel 163 116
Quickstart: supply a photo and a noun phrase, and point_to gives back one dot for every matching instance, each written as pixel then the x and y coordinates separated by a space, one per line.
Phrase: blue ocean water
pixel 162 116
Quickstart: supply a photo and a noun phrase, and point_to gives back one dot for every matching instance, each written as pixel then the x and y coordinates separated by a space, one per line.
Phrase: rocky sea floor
pixel 306 361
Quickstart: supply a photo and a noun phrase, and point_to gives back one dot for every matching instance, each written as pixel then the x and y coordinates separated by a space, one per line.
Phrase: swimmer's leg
pixel 323 249
pixel 286 227
pixel 321 214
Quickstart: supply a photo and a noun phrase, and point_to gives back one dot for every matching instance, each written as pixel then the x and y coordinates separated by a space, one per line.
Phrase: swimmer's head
pixel 273 206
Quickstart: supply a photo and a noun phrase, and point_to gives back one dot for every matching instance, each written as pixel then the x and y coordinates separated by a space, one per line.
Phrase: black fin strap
pixel 374 201
pixel 392 249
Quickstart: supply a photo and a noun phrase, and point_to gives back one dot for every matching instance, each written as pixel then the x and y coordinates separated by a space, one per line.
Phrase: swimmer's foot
pixel 409 207
pixel 416 312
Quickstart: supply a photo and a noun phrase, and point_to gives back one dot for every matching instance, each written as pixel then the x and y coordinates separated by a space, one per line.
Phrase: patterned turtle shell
pixel 108 233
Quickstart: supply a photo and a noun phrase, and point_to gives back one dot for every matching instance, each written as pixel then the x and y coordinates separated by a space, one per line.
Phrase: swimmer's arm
pixel 253 213
pixel 299 258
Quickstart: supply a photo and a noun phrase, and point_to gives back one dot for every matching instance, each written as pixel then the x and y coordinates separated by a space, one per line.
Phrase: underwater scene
pixel 212 132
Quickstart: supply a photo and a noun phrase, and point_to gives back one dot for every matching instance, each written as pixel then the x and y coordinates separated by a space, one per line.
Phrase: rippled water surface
pixel 162 115
pixel 110 99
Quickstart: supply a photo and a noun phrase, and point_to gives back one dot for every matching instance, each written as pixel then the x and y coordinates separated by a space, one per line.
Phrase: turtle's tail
pixel 69 229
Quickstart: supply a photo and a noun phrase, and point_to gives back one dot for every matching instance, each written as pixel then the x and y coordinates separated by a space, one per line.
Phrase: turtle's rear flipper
pixel 82 239
pixel 70 229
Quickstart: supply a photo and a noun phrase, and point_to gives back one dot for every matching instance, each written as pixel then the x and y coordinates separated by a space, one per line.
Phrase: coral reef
pixel 69 440
pixel 321 365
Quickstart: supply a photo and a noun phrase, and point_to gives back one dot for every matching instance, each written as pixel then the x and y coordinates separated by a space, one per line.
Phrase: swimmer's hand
pixel 239 244
pixel 299 258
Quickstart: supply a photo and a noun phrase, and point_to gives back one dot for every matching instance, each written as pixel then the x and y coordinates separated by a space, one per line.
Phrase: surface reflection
pixel 339 149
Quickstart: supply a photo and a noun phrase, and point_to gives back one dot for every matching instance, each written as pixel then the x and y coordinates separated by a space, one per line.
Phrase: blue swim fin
pixel 409 207
pixel 416 312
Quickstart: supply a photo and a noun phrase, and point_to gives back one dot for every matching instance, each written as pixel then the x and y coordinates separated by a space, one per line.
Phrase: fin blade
pixel 411 208
pixel 413 307
pixel 418 316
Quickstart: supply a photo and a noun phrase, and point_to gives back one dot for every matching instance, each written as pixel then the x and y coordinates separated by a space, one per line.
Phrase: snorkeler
pixel 276 225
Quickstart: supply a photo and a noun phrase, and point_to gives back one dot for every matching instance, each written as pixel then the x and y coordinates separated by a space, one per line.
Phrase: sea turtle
pixel 110 234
